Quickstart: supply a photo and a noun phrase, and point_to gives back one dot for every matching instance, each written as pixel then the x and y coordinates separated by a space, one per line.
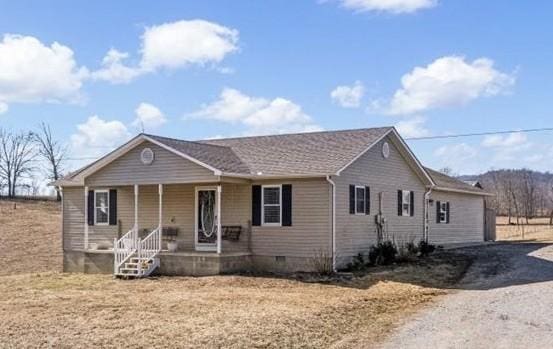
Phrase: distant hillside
pixel 523 193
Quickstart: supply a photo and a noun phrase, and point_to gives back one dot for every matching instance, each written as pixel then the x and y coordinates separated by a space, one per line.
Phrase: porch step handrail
pixel 124 248
pixel 148 248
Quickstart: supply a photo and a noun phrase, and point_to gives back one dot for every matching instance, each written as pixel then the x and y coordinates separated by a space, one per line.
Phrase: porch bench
pixel 231 232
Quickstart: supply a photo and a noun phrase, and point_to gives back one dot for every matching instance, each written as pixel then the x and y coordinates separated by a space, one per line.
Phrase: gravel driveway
pixel 504 301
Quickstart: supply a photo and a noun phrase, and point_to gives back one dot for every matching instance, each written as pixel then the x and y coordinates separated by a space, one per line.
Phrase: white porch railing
pixel 124 248
pixel 148 248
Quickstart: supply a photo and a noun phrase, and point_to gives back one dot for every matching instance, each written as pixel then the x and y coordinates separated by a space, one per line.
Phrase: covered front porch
pixel 188 228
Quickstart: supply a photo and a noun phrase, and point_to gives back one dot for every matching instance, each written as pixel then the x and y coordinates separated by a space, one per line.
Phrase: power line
pixel 544 129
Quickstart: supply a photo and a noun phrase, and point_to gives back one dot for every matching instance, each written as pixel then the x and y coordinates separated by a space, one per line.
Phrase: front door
pixel 206 219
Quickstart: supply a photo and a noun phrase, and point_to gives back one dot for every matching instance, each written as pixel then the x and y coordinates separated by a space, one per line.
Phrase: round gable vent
pixel 147 156
pixel 385 150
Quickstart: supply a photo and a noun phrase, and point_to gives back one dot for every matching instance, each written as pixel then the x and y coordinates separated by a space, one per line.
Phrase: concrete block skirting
pixel 183 264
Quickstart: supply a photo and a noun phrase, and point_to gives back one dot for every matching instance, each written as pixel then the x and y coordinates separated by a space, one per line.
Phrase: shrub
pixel 425 248
pixel 407 252
pixel 357 264
pixel 321 262
pixel 383 253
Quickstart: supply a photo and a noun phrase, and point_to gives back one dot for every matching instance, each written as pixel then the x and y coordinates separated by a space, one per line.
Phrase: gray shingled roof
pixel 316 153
pixel 445 181
pixel 220 157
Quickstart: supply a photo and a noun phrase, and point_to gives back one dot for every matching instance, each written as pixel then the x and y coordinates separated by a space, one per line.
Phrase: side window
pixel 360 200
pixel 443 214
pixel 271 205
pixel 101 207
pixel 406 203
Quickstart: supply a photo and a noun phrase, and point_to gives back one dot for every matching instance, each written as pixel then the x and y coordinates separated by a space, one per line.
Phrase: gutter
pixel 333 228
pixel 427 213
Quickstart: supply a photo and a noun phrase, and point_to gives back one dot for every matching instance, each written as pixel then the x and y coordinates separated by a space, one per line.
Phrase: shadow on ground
pixel 469 268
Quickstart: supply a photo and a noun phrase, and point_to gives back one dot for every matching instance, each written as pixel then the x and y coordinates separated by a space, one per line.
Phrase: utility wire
pixel 544 129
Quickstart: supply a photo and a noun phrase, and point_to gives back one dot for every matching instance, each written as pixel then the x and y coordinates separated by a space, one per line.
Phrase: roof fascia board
pixel 461 191
pixel 413 157
pixel 216 172
pixel 403 144
pixel 363 152
pixel 254 177
pixel 107 159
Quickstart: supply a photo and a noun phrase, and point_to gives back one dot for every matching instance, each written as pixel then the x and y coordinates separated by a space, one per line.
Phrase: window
pixel 101 207
pixel 443 212
pixel 406 203
pixel 271 205
pixel 360 200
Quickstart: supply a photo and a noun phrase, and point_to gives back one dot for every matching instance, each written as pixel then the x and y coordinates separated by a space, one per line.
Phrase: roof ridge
pixel 187 141
pixel 203 141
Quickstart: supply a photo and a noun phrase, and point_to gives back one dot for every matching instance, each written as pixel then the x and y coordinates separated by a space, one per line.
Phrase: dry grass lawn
pixel 30 237
pixel 537 229
pixel 52 309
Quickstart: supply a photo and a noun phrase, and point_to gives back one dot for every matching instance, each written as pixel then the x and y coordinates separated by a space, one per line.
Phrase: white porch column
pixel 86 218
pixel 219 228
pixel 136 207
pixel 160 189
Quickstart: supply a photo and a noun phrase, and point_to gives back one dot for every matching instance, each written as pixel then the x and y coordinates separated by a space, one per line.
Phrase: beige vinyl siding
pixel 73 218
pixel 166 168
pixel 466 219
pixel 178 211
pixel 310 230
pixel 355 233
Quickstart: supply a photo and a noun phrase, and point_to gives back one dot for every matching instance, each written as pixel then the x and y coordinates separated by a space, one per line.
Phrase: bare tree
pixel 51 151
pixel 16 158
pixel 447 171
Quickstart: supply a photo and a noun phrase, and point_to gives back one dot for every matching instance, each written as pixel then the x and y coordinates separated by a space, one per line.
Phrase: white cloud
pixel 260 115
pixel 148 116
pixel 412 128
pixel 3 108
pixel 170 46
pixel 182 43
pixel 499 141
pixel 448 81
pixel 456 156
pixel 33 72
pixel 97 136
pixel 509 148
pixel 114 70
pixel 348 96
pixel 392 6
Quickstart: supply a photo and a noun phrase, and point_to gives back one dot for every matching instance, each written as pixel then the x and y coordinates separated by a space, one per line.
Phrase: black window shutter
pixel 367 200
pixel 438 208
pixel 399 203
pixel 112 207
pixel 91 210
pixel 256 205
pixel 412 203
pixel 287 205
pixel 352 199
pixel 447 213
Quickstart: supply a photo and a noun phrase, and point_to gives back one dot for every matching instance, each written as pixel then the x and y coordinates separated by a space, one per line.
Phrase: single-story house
pixel 271 203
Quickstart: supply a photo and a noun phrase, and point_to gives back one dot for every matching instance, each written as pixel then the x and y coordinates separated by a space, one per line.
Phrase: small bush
pixel 383 253
pixel 321 262
pixel 357 264
pixel 425 248
pixel 407 252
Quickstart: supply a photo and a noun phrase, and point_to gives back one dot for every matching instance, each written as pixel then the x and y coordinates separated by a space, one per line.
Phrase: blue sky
pixel 227 68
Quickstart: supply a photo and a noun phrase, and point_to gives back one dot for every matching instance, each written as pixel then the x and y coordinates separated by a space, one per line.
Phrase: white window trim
pixel 96 207
pixel 403 214
pixel 279 186
pixel 444 211
pixel 364 200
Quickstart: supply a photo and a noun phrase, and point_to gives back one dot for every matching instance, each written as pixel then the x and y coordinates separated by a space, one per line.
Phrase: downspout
pixel 333 227
pixel 427 213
